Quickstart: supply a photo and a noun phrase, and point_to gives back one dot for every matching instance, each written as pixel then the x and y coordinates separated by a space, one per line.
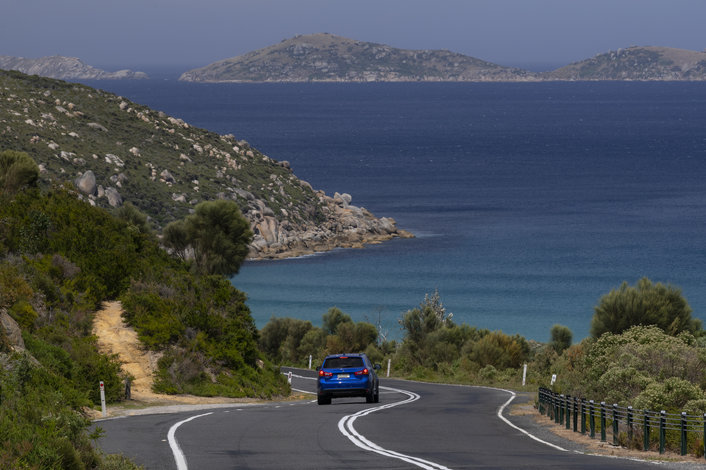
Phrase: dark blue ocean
pixel 528 201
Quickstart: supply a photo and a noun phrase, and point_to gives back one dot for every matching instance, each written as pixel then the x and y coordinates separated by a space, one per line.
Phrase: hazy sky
pixel 141 34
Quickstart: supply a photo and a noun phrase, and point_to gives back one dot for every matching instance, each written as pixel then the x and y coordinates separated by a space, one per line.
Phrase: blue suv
pixel 347 375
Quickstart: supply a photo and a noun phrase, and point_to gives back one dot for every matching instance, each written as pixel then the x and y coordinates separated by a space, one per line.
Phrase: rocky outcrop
pixel 330 58
pixel 345 226
pixel 11 332
pixel 64 68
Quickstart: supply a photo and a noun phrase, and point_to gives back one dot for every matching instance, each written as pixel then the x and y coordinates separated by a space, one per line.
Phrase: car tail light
pixel 325 374
pixel 362 372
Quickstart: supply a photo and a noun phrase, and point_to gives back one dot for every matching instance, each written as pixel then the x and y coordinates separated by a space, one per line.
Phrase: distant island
pixel 638 63
pixel 325 57
pixel 64 68
pixel 329 58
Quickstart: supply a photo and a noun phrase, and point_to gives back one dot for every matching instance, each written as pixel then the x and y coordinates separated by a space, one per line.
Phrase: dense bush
pixel 645 304
pixel 641 366
pixel 17 170
pixel 292 341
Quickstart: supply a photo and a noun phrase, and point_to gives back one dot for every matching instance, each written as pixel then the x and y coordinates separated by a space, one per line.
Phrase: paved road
pixel 415 425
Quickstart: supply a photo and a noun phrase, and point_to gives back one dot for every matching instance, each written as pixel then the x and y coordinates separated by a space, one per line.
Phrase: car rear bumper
pixel 345 388
pixel 343 392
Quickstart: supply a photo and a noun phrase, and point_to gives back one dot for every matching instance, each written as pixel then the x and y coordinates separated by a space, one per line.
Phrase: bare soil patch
pixel 115 337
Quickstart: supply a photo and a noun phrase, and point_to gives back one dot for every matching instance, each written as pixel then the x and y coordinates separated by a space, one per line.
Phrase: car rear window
pixel 343 362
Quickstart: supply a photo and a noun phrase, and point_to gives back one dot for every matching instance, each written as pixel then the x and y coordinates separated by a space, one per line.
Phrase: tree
pixel 176 238
pixel 428 317
pixel 645 304
pixel 134 217
pixel 561 338
pixel 333 318
pixel 216 234
pixel 17 169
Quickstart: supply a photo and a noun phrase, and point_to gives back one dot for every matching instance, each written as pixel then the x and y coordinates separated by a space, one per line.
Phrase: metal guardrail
pixel 587 416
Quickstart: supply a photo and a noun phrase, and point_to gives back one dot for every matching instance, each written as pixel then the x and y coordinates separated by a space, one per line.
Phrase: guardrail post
pixel 557 406
pixel 705 435
pixel 603 433
pixel 630 431
pixel 562 400
pixel 576 416
pixel 592 418
pixel 646 431
pixel 583 417
pixel 683 433
pixel 615 424
pixel 662 430
pixel 568 411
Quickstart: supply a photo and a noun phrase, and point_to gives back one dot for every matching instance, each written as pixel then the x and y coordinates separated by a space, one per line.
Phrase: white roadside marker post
pixel 289 377
pixel 105 412
pixel 309 361
pixel 524 374
pixel 389 361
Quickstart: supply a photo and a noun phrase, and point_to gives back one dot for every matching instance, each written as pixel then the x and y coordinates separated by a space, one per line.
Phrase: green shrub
pixel 672 395
pixel 645 304
pixel 500 350
pixel 560 338
pixel 24 314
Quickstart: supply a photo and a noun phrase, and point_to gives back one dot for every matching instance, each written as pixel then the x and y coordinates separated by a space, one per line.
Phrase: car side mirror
pixel 377 367
pixel 318 368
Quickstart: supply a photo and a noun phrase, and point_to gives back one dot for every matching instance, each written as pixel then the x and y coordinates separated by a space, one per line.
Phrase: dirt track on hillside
pixel 115 337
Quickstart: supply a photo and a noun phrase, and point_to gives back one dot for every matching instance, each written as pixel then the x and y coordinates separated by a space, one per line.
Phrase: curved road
pixel 415 425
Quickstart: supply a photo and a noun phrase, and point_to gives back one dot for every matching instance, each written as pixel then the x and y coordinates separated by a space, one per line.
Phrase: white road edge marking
pixel 176 450
pixel 512 425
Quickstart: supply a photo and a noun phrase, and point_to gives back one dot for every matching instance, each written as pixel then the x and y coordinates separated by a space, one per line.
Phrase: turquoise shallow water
pixel 529 201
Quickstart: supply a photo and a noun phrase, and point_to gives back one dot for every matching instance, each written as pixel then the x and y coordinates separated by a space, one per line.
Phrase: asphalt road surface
pixel 415 425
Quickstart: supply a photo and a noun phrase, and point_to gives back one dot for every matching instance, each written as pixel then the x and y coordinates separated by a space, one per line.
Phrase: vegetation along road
pixel 415 425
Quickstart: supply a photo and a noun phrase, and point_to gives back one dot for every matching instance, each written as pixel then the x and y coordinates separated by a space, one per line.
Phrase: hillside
pixel 65 68
pixel 60 259
pixel 637 63
pixel 329 58
pixel 115 151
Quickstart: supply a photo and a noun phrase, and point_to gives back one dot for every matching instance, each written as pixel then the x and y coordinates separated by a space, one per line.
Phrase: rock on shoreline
pixel 346 226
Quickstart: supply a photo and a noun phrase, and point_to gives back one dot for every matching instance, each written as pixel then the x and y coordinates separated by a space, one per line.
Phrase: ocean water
pixel 528 201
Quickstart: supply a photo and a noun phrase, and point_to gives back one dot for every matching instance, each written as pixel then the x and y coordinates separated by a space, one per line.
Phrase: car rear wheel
pixel 376 397
pixel 323 400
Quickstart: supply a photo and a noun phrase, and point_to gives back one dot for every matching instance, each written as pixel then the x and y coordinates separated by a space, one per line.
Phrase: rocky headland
pixel 64 68
pixel 115 151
